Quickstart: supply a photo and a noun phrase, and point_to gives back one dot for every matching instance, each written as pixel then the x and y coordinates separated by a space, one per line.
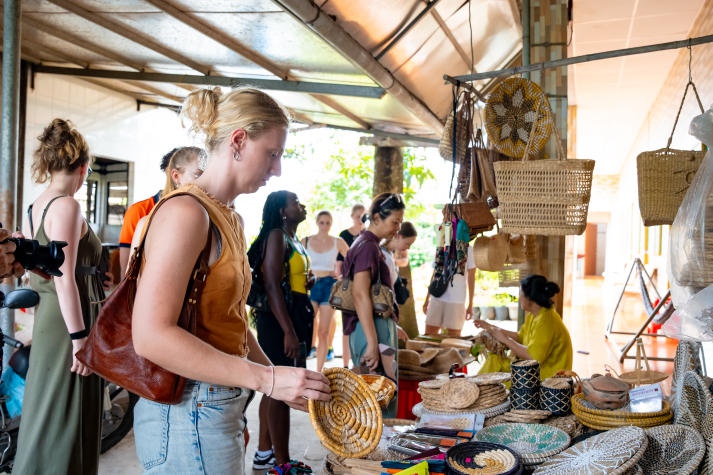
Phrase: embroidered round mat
pixel 518 111
pixel 613 452
pixel 349 424
pixel 534 442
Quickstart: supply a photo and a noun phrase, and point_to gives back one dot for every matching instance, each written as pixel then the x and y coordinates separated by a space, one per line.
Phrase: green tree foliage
pixel 346 174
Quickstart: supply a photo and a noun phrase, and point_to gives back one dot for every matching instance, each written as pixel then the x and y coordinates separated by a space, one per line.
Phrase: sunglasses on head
pixel 392 200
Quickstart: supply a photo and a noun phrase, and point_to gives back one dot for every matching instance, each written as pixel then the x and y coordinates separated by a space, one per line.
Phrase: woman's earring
pixel 236 156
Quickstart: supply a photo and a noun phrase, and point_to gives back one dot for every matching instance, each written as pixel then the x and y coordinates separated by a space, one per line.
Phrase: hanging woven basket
pixel 547 197
pixel 664 176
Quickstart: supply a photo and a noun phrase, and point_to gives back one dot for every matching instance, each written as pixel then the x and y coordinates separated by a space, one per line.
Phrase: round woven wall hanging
pixel 350 423
pixel 518 111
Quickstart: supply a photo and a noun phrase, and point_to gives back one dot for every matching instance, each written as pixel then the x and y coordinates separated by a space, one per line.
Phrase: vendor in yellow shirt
pixel 543 336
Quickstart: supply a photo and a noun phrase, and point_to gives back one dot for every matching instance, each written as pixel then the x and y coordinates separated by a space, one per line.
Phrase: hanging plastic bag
pixel 694 319
pixel 691 242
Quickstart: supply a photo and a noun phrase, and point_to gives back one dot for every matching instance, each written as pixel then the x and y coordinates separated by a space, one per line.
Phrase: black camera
pixel 47 259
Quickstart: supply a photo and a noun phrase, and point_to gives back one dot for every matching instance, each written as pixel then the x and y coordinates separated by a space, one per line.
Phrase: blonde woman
pixel 323 250
pixel 181 165
pixel 245 132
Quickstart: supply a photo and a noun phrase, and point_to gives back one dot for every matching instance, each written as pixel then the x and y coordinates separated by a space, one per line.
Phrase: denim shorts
pixel 321 289
pixel 205 436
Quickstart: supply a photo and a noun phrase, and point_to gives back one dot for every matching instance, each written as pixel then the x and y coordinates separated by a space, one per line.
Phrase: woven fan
pixel 349 424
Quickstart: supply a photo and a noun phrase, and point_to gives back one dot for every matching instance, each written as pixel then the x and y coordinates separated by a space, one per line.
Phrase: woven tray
pixel 534 442
pixel 350 424
pixel 614 452
pixel 672 449
pixel 493 411
pixel 482 458
pixel 603 419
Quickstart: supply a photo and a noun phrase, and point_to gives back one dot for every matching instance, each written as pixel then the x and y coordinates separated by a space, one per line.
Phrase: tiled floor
pixel 587 320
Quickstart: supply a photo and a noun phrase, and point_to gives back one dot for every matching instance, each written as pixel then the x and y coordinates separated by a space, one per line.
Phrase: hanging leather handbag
pixel 109 350
pixel 382 298
pixel 476 213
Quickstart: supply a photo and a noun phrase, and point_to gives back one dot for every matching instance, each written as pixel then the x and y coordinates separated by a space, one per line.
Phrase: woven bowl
pixel 603 419
pixel 673 449
pixel 349 424
pixel 383 388
pixel 483 458
pixel 534 442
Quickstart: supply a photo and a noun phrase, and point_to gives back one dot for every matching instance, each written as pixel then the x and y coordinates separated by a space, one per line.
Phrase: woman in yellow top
pixel 284 325
pixel 543 336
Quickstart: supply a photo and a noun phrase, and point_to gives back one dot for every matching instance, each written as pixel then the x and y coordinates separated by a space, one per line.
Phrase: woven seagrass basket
pixel 603 419
pixel 556 396
pixel 349 424
pixel 383 388
pixel 673 449
pixel 664 176
pixel 547 197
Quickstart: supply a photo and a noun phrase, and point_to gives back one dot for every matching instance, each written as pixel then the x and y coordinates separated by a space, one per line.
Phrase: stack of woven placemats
pixel 458 395
pixel 613 452
pixel 483 458
pixel 527 416
pixel 605 419
pixel 535 443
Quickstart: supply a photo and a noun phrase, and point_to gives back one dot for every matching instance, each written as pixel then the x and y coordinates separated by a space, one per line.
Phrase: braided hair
pixel 271 219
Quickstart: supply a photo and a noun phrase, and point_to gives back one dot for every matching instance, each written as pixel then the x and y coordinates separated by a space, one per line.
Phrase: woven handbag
pixel 546 197
pixel 664 176
pixel 109 350
pixel 458 128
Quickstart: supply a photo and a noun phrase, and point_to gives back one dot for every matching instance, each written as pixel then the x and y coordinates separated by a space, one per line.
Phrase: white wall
pixel 110 123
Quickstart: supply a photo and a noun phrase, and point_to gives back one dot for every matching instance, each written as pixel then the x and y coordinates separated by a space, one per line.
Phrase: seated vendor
pixel 543 336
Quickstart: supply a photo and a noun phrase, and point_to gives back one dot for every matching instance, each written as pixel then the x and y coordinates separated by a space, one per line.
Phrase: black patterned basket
pixel 525 398
pixel 525 374
pixel 483 457
pixel 556 396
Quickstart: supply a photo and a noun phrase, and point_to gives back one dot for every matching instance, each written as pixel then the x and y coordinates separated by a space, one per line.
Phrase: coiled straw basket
pixel 350 424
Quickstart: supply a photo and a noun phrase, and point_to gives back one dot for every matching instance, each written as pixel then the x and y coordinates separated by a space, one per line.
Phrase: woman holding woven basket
pixel 245 132
pixel 365 265
pixel 543 336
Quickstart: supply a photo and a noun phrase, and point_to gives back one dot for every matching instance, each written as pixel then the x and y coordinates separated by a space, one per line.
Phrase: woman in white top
pixel 447 312
pixel 323 250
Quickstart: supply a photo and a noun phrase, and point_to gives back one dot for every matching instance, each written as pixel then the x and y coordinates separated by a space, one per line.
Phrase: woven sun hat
pixel 483 458
pixel 349 424
pixel 445 359
pixel 428 354
pixel 409 357
pixel 518 111
pixel 534 442
pixel 673 449
pixel 420 345
pixel 614 452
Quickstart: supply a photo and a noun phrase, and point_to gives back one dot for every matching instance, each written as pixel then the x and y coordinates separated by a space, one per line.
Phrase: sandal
pixel 294 467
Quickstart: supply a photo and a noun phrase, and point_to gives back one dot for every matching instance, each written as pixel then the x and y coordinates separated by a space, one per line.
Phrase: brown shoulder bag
pixel 109 350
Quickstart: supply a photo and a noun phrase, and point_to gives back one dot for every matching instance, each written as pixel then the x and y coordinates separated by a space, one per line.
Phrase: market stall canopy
pixel 367 65
pixel 362 65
